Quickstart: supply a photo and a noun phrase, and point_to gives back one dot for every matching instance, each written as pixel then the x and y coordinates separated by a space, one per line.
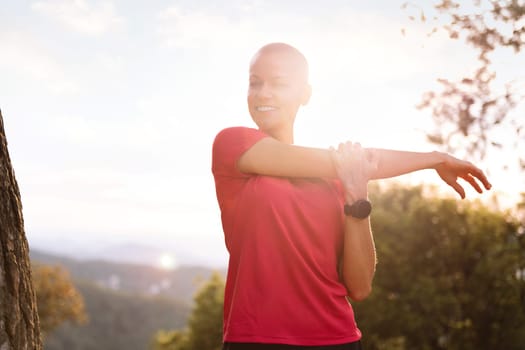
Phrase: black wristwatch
pixel 360 209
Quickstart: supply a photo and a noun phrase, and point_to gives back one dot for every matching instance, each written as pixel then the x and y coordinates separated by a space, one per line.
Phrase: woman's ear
pixel 307 93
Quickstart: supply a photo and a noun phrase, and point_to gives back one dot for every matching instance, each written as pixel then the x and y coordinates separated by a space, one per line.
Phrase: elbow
pixel 359 294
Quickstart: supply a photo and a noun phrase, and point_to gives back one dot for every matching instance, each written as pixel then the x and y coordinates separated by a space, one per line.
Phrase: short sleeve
pixel 229 145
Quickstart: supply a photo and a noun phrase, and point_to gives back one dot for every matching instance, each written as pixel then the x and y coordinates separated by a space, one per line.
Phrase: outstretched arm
pixel 274 158
pixel 395 163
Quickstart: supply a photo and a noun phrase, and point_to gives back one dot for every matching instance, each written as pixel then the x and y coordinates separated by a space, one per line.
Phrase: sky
pixel 111 107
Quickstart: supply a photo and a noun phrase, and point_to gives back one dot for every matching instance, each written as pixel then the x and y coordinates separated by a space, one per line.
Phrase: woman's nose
pixel 265 91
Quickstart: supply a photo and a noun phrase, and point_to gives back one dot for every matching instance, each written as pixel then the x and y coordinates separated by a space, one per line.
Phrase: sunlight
pixel 167 262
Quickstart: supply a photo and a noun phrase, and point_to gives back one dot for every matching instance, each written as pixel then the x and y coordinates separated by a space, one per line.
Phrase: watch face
pixel 363 208
pixel 360 209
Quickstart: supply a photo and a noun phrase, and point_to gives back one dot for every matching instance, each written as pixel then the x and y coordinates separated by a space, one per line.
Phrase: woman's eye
pixel 255 83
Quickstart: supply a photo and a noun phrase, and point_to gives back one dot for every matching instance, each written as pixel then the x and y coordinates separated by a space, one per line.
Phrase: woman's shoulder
pixel 233 130
pixel 229 144
pixel 237 133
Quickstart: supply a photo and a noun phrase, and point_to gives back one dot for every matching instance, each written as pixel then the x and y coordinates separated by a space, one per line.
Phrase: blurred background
pixel 111 107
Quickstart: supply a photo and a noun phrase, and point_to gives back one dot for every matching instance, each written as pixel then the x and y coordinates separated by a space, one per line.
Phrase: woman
pixel 296 219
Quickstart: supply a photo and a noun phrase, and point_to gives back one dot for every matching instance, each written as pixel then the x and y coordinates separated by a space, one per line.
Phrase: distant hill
pixel 180 283
pixel 118 321
pixel 126 303
pixel 90 246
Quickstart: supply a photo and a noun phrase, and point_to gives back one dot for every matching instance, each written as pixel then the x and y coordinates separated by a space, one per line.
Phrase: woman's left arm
pixel 394 163
pixel 354 168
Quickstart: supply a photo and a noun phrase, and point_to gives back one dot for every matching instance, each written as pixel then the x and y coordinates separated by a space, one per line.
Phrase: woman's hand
pixel 451 168
pixel 354 166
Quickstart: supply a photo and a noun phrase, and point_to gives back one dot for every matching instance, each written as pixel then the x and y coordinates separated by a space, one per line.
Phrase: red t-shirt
pixel 285 238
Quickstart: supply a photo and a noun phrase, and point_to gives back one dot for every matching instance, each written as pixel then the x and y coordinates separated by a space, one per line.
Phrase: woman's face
pixel 277 88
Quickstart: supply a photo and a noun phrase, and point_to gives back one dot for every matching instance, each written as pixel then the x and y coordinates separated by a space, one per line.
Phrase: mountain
pixel 88 246
pixel 126 304
pixel 118 320
pixel 180 283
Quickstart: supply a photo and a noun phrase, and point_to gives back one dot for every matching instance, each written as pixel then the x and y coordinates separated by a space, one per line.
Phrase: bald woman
pixel 296 220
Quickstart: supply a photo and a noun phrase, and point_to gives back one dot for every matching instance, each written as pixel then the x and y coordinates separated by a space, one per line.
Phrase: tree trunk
pixel 19 324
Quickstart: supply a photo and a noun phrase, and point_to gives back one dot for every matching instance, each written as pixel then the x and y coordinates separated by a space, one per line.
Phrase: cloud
pixel 99 133
pixel 23 56
pixel 365 45
pixel 194 29
pixel 81 16
pixel 110 64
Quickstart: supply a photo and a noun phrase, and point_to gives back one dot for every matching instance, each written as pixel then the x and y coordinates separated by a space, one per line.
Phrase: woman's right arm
pixel 274 158
pixel 271 157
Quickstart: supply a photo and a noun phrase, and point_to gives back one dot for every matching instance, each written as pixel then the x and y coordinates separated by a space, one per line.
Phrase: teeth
pixel 265 108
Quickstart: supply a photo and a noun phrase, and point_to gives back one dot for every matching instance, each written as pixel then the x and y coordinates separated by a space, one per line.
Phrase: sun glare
pixel 167 262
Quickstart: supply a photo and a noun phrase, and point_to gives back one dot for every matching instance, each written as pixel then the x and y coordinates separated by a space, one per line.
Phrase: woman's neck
pixel 283 135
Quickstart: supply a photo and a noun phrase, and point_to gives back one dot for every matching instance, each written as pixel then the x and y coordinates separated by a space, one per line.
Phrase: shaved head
pixel 278 87
pixel 289 53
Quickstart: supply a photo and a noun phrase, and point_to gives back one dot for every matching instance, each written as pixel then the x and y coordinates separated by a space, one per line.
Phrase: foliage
pixel 57 298
pixel 451 275
pixel 469 114
pixel 204 329
pixel 117 320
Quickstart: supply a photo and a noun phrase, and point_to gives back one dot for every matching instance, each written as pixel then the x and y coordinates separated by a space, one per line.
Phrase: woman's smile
pixel 265 108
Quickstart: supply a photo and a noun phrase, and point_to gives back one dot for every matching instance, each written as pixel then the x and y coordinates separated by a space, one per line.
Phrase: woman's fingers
pixel 373 160
pixel 458 188
pixel 468 172
pixel 478 173
pixel 472 181
pixel 352 157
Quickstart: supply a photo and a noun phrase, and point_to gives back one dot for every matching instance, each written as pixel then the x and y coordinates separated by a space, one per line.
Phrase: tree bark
pixel 19 324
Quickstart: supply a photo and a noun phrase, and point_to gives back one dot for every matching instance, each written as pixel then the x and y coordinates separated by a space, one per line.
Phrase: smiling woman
pixel 277 88
pixel 296 253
